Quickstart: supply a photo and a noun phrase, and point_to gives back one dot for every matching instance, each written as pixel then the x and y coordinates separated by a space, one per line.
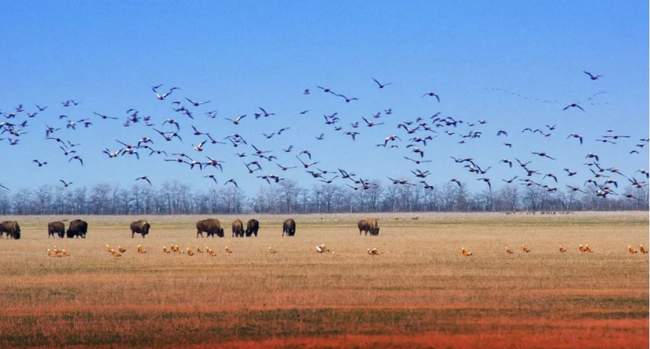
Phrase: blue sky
pixel 245 54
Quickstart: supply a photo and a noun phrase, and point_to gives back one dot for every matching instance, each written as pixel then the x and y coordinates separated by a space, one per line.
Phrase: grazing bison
pixel 77 228
pixel 252 227
pixel 289 227
pixel 55 229
pixel 210 226
pixel 237 228
pixel 368 226
pixel 141 227
pixel 11 228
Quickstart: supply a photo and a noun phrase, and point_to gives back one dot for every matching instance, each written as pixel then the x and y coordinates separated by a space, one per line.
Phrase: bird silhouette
pixel 144 178
pixel 573 105
pixel 432 94
pixel 379 84
pixel 592 76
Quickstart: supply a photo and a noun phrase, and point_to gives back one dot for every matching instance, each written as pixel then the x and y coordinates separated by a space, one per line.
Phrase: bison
pixel 289 227
pixel 55 229
pixel 77 228
pixel 252 227
pixel 368 226
pixel 141 227
pixel 11 228
pixel 210 226
pixel 237 228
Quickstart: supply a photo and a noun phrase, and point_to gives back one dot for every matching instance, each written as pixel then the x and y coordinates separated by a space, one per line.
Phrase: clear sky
pixel 491 60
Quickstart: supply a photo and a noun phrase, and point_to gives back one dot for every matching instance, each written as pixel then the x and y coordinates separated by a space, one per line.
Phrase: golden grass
pixel 418 291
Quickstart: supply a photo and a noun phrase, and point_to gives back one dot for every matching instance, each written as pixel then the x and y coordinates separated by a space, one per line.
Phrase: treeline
pixel 288 197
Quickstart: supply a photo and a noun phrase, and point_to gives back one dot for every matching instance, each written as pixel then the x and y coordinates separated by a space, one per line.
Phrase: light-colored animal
pixel 373 251
pixel 321 248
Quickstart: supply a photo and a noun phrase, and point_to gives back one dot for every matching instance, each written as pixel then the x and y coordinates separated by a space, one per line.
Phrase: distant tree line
pixel 289 197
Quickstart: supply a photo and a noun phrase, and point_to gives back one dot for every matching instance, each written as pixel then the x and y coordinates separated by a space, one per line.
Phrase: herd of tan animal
pixel 175 249
pixel 581 248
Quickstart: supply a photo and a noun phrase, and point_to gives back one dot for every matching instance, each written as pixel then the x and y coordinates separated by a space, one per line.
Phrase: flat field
pixel 419 292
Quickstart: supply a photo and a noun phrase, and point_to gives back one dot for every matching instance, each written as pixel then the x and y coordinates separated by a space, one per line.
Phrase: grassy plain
pixel 418 293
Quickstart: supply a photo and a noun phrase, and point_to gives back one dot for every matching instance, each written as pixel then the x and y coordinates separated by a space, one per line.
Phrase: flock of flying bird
pixel 412 136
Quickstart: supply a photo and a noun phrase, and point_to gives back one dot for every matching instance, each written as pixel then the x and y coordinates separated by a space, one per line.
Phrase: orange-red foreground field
pixel 419 292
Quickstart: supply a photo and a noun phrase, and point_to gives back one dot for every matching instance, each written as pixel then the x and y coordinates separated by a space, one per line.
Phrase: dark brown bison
pixel 11 228
pixel 55 229
pixel 237 228
pixel 141 227
pixel 210 226
pixel 289 227
pixel 77 228
pixel 368 226
pixel 252 227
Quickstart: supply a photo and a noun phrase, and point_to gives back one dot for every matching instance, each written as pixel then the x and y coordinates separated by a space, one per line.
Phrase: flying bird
pixel 236 120
pixel 573 105
pixel 231 181
pixel 592 76
pixel 543 154
pixel 65 184
pixel 432 94
pixel 212 177
pixel 144 178
pixel 78 158
pixel 161 97
pixel 105 116
pixel 196 104
pixel 379 84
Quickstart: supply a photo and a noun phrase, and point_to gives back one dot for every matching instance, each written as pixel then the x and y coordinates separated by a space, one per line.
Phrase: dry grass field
pixel 419 292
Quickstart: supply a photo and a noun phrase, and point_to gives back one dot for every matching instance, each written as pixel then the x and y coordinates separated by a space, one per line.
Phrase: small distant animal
pixel 368 226
pixel 321 248
pixel 289 227
pixel 140 227
pixel 252 227
pixel 237 228
pixel 210 226
pixel 77 229
pixel 55 229
pixel 373 251
pixel 11 229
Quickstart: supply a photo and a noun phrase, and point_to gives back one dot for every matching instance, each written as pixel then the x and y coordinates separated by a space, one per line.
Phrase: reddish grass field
pixel 418 293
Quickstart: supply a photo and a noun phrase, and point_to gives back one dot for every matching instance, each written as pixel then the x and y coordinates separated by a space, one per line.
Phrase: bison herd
pixel 79 228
